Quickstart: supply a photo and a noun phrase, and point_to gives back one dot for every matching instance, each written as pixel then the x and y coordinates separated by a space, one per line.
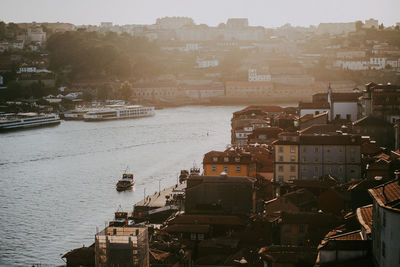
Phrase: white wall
pixel 313 111
pixel 344 108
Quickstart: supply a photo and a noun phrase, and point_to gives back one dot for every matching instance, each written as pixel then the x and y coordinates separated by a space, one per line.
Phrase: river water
pixel 57 184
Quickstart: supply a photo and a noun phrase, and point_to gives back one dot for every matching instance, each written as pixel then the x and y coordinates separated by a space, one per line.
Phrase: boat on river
pixel 12 121
pixel 116 112
pixel 126 182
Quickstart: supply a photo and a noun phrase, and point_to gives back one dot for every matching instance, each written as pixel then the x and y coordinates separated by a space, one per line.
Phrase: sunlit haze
pixel 212 12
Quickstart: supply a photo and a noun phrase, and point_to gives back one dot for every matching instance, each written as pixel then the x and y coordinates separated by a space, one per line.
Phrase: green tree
pixel 103 92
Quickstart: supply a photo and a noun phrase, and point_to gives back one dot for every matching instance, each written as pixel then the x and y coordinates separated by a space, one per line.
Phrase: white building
pixel 377 63
pixel 191 47
pixel 207 63
pixel 371 23
pixel 254 77
pixel 349 64
pixel 36 34
pixel 386 224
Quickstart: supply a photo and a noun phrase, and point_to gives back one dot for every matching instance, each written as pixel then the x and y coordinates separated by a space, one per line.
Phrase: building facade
pixel 386 224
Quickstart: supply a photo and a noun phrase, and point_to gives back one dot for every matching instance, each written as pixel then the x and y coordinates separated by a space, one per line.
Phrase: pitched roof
pixel 345 97
pixel 207 220
pixel 387 195
pixel 330 140
pixel 371 121
pixel 364 216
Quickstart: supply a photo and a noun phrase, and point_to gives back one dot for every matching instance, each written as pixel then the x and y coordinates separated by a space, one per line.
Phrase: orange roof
pixel 364 216
pixel 387 195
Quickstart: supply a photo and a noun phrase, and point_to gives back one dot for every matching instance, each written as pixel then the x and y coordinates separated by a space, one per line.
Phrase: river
pixel 57 184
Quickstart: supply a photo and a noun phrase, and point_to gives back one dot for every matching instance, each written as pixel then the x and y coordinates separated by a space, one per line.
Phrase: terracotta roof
pixel 234 156
pixel 345 97
pixel 187 228
pixel 311 218
pixel 220 179
pixel 207 220
pixel 320 129
pixel 387 195
pixel 371 121
pixel 364 216
pixel 330 140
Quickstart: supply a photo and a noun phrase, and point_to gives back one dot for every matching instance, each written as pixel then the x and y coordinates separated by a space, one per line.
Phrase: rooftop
pixel 364 216
pixel 387 195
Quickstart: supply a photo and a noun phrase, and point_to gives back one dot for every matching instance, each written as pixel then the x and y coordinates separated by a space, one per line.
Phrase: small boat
pixel 126 182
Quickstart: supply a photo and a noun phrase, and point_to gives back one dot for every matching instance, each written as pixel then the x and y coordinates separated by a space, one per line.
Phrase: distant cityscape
pixel 185 63
pixel 311 174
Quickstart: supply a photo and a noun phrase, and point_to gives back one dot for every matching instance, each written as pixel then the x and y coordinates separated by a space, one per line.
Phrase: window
pixel 316 159
pixel 215 159
pixel 304 159
pixel 226 159
pixel 280 178
pixel 200 236
pixel 348 117
pixel 316 149
pixel 301 228
pixel 226 169
pixel 192 236
pixel 237 159
pixel 315 170
pixel 292 149
pixel 292 158
pixel 237 168
pixel 280 168
pixel 214 168
pixel 280 158
pixel 292 168
pixel 280 149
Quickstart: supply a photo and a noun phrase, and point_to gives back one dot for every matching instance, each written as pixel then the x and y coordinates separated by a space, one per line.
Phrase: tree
pixel 103 92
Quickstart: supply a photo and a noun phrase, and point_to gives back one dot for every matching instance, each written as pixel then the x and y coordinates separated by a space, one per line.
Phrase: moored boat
pixel 116 112
pixel 19 121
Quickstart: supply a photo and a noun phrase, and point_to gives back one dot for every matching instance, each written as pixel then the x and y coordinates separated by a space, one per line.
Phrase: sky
pixel 267 13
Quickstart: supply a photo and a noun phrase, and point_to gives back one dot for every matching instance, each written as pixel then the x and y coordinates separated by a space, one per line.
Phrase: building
pixel 249 89
pixel 382 101
pixel 253 76
pixel 314 108
pixel 386 223
pixel 371 23
pixel 122 246
pixel 265 135
pixel 234 162
pixel 335 155
pixel 286 157
pixel 220 195
pixel 207 63
pixel 379 130
pixel 36 34
pixel 174 23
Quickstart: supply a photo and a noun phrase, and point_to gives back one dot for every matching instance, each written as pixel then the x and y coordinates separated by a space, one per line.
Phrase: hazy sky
pixel 268 13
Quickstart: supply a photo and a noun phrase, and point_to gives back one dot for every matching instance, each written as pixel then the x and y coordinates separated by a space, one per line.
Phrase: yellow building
pixel 286 158
pixel 232 162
